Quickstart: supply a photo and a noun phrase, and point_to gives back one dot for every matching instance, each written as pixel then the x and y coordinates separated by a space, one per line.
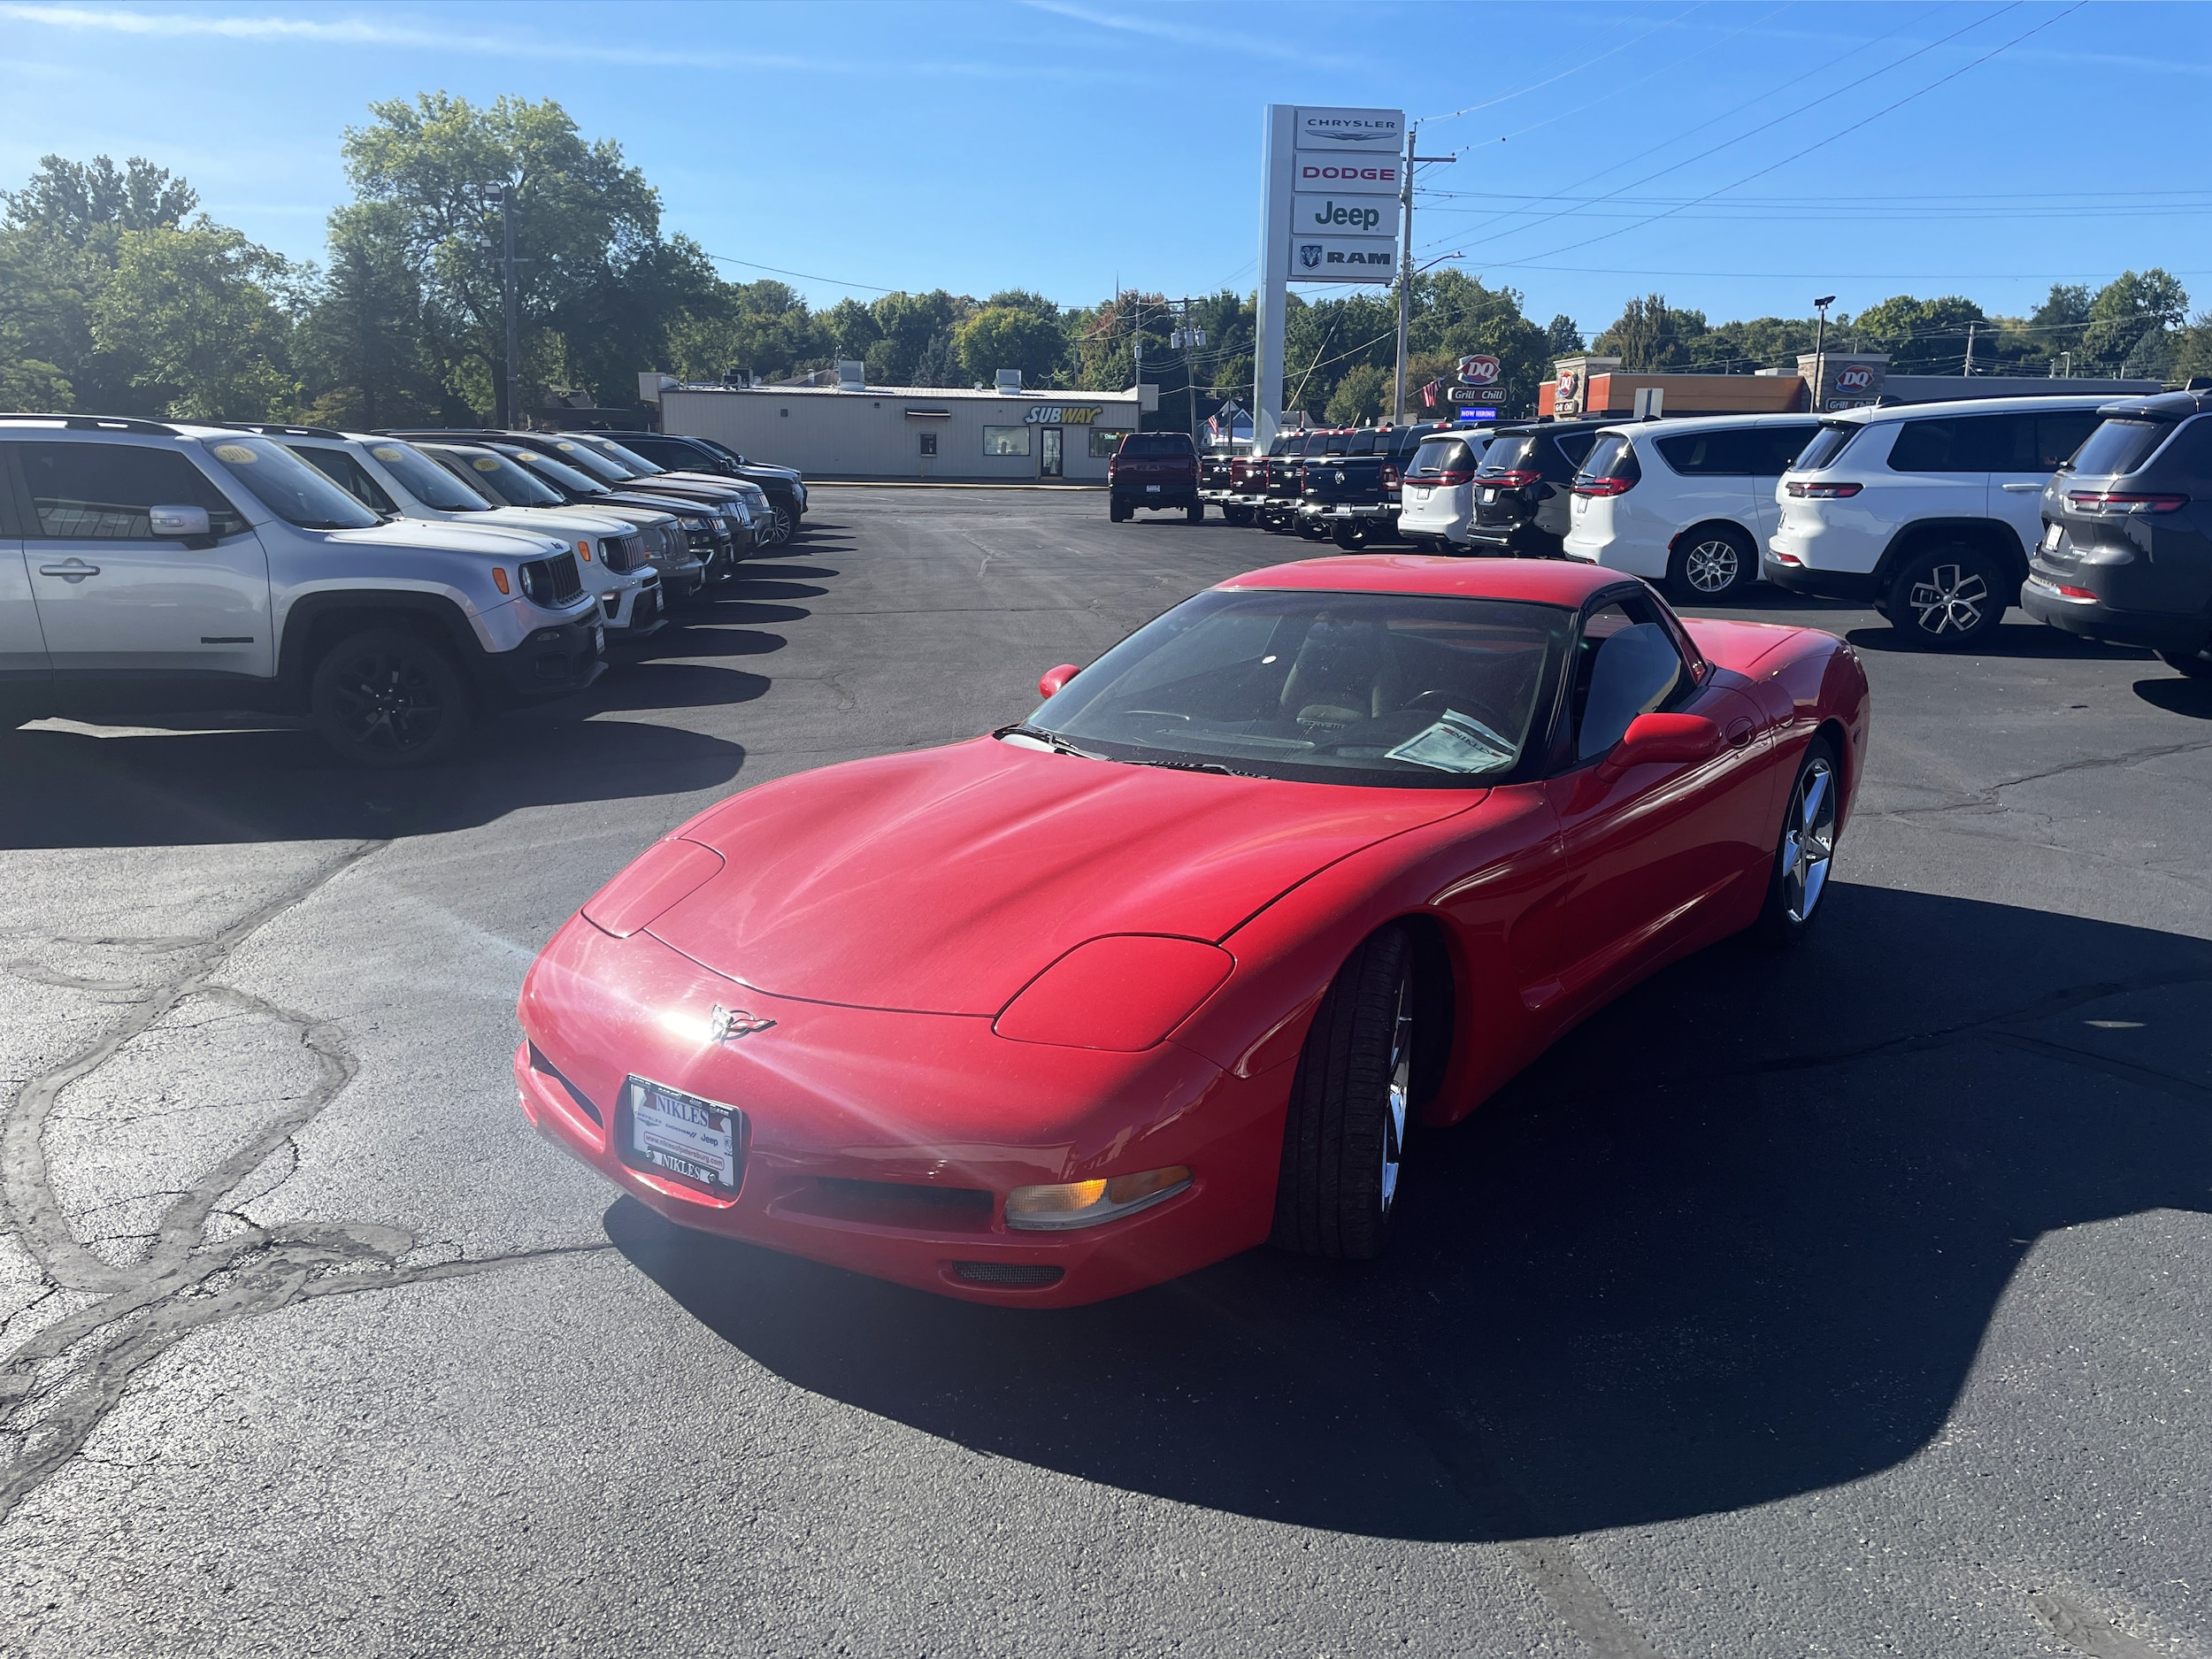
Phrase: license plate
pixel 1420 492
pixel 2053 535
pixel 1151 489
pixel 1488 495
pixel 682 1135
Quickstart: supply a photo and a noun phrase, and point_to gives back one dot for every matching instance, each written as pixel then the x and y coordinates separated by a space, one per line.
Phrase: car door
pixel 2030 449
pixel 114 598
pixel 1771 450
pixel 23 647
pixel 1652 851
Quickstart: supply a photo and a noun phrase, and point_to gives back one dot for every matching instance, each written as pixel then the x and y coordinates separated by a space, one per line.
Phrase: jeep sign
pixel 1342 216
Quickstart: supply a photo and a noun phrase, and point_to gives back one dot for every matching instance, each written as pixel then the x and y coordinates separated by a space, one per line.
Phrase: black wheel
pixel 1348 537
pixel 1713 563
pixel 1344 1136
pixel 1949 598
pixel 386 698
pixel 2197 663
pixel 1195 513
pixel 1806 851
pixel 1237 515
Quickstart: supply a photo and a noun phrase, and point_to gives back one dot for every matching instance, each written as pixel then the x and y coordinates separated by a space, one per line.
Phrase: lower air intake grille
pixel 1011 1275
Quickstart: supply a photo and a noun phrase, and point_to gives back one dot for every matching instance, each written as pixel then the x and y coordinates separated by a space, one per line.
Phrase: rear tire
pixel 1712 564
pixel 2197 663
pixel 1348 537
pixel 1350 1105
pixel 1116 513
pixel 386 699
pixel 1949 598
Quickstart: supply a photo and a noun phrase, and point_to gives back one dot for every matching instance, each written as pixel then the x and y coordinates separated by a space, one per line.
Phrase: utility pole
pixel 1970 348
pixel 1405 267
pixel 1137 333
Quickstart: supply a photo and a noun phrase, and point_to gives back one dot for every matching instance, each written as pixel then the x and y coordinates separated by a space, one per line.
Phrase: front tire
pixel 386 699
pixel 1714 564
pixel 1806 851
pixel 1195 513
pixel 1348 537
pixel 1351 1102
pixel 1948 599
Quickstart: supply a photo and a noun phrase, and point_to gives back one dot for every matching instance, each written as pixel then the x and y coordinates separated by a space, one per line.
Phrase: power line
pixel 1580 65
pixel 806 275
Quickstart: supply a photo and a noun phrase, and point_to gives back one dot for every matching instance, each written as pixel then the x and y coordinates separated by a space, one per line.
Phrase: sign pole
pixel 1267 358
pixel 1405 276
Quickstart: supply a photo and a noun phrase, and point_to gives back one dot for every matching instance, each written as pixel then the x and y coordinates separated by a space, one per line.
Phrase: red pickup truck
pixel 1153 469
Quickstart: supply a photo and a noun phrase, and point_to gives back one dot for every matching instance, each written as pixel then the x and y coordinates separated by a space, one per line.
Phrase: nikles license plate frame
pixel 677 1136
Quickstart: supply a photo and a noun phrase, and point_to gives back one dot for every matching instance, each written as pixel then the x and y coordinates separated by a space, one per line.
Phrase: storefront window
pixel 1104 440
pixel 1006 439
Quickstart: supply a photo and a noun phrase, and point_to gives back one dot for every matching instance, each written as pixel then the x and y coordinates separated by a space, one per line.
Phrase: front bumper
pixel 552 662
pixel 861 1126
pixel 636 612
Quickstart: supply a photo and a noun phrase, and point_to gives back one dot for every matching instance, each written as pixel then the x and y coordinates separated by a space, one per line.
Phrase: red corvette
pixel 1163 972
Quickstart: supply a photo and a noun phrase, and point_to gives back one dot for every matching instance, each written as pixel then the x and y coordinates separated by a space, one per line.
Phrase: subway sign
pixel 1062 415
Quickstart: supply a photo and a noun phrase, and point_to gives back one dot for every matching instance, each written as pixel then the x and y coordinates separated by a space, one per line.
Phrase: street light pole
pixel 1405 268
pixel 1820 350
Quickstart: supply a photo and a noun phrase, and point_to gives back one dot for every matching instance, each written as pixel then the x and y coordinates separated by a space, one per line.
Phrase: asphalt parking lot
pixel 1853 1301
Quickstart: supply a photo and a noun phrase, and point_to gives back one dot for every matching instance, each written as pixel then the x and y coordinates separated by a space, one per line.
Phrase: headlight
pixel 695 524
pixel 1088 1204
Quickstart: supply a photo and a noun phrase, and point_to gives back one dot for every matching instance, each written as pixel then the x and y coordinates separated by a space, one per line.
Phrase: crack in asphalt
pixel 61 1380
pixel 2085 1632
pixel 1985 799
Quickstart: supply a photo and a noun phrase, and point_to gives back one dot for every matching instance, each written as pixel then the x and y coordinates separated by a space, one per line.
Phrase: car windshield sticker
pixel 387 452
pixel 234 453
pixel 485 463
pixel 1458 742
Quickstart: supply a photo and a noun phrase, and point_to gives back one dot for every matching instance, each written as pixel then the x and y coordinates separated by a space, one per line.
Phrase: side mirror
pixel 177 523
pixel 1054 678
pixel 1666 739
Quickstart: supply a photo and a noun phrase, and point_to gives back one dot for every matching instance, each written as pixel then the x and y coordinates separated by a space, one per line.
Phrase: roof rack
pixel 101 423
pixel 277 429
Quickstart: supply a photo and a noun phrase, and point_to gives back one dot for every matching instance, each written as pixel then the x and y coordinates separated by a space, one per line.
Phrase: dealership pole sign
pixel 1329 213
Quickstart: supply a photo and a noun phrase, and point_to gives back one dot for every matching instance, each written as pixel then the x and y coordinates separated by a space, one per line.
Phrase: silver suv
pixel 147 565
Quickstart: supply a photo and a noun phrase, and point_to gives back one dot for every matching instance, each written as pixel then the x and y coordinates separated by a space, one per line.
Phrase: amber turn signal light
pixel 1087 1203
pixel 499 577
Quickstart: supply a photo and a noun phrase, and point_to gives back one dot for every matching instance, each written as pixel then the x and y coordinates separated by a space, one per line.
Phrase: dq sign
pixel 1479 371
pixel 1853 379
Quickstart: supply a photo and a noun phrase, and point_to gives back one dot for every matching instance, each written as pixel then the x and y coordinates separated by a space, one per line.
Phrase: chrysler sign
pixel 1353 132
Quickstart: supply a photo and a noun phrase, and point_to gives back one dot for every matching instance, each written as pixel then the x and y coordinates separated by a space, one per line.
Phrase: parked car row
pixel 388 586
pixel 2095 516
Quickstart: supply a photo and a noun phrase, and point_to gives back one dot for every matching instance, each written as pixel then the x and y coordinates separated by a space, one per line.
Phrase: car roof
pixel 1971 406
pixel 1668 425
pixel 1542 581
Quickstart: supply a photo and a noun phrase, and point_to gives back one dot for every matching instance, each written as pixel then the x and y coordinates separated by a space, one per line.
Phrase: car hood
pixel 568 521
pixel 443 535
pixel 943 881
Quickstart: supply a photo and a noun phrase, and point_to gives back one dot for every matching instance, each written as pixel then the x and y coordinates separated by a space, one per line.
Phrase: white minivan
pixel 1926 512
pixel 1685 503
pixel 1437 498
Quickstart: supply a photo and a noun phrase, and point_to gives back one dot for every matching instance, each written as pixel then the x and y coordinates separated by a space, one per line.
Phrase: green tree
pixel 852 329
pixel 1652 337
pixel 1002 336
pixel 1562 338
pixel 1359 397
pixel 192 313
pixel 905 325
pixel 1924 336
pixel 2129 322
pixel 362 342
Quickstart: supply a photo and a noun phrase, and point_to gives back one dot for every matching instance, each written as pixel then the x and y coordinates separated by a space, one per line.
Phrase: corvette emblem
pixel 726 1025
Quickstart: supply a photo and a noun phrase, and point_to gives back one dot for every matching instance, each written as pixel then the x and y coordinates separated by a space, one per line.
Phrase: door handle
pixel 1740 735
pixel 2021 489
pixel 74 570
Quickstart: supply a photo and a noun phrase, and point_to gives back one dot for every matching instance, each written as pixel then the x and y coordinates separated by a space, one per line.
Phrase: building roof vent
pixel 1009 382
pixel 851 376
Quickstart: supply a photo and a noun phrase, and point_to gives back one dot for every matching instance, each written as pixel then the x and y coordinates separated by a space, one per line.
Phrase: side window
pixel 1568 452
pixel 1965 443
pixel 2059 435
pixel 103 491
pixel 1774 448
pixel 1625 664
pixel 2189 456
pixel 1723 453
pixel 349 475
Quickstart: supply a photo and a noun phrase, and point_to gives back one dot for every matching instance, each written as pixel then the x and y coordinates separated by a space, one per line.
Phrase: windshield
pixel 637 463
pixel 290 488
pixel 426 481
pixel 567 476
pixel 2119 446
pixel 1138 444
pixel 1827 444
pixel 500 479
pixel 1396 690
pixel 589 460
pixel 1514 452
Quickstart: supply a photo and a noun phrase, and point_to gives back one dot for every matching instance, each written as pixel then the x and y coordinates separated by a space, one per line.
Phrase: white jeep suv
pixel 150 566
pixel 1685 503
pixel 1926 512
pixel 394 476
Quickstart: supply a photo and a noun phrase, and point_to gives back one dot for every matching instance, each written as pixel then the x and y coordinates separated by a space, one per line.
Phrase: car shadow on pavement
pixel 2011 639
pixel 2179 694
pixel 1737 1239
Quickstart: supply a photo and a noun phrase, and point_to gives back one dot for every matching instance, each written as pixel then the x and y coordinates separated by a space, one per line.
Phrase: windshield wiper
pixel 1202 765
pixel 1052 741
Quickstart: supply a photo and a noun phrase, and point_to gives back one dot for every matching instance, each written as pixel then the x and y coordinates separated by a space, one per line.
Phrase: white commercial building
pixel 885 433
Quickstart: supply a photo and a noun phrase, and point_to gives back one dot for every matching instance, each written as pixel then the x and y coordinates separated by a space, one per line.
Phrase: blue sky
pixel 1739 157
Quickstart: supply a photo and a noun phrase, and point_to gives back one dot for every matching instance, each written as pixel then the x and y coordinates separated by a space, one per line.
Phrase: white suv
pixel 151 566
pixel 1926 512
pixel 1685 503
pixel 1437 499
pixel 395 476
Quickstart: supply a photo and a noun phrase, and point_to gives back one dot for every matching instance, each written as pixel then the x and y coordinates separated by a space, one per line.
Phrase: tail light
pixel 1603 486
pixel 1442 479
pixel 1389 475
pixel 1823 492
pixel 2106 501
pixel 1520 478
pixel 2072 593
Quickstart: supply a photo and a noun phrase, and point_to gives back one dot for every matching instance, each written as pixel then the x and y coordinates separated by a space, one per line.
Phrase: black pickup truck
pixel 1247 478
pixel 1354 496
pixel 1216 481
pixel 1287 477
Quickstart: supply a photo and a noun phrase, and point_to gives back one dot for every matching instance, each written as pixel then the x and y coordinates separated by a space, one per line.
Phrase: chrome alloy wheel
pixel 1712 567
pixel 1400 1093
pixel 1951 600
pixel 1809 840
